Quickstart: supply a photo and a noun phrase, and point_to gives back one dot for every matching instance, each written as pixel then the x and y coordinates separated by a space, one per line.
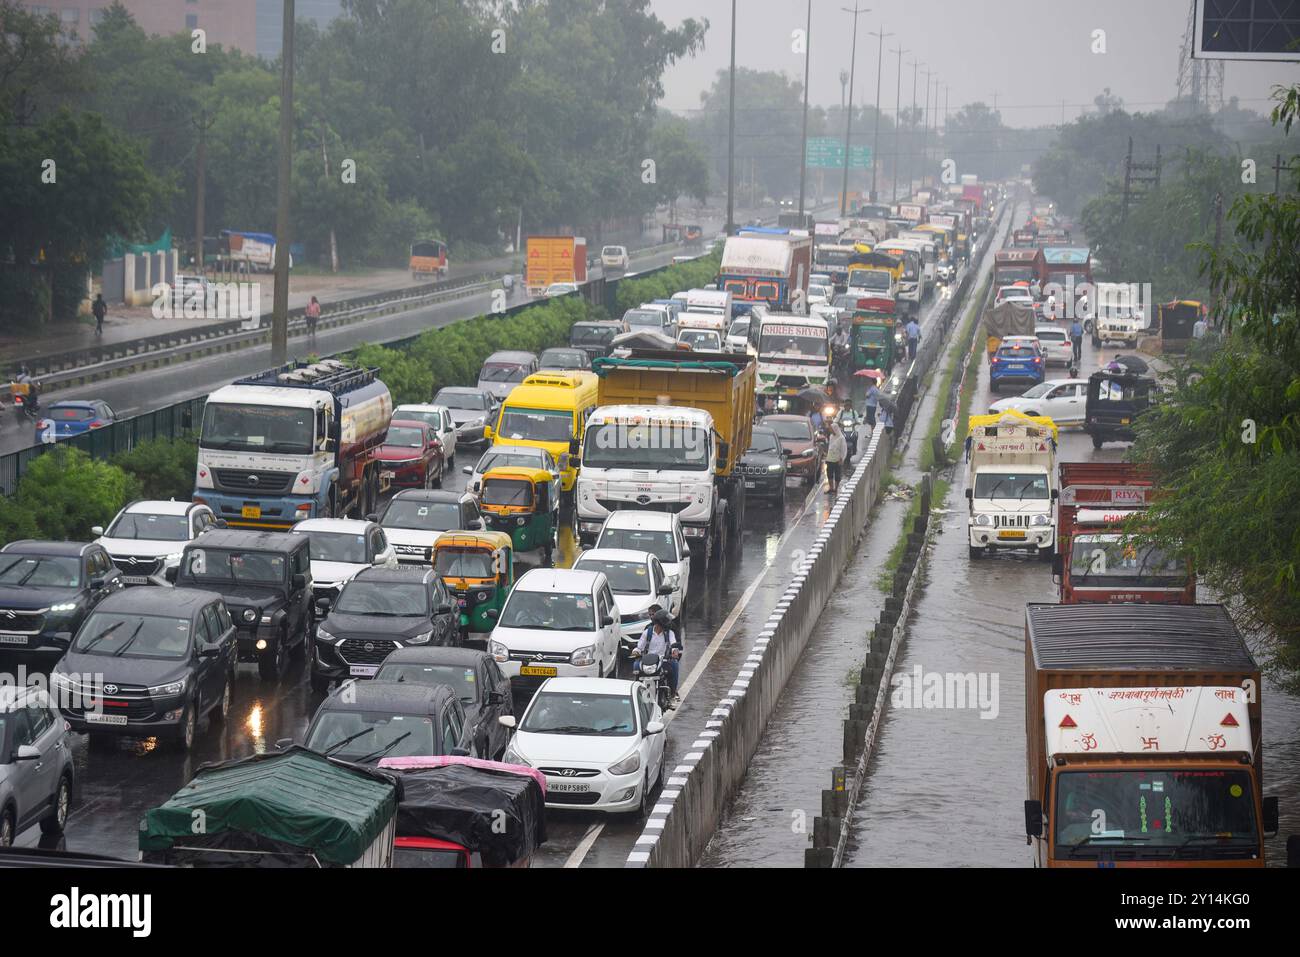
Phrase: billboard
pixel 1247 30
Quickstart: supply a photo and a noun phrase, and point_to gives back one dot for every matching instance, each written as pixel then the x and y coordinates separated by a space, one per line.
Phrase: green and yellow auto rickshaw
pixel 517 501
pixel 479 568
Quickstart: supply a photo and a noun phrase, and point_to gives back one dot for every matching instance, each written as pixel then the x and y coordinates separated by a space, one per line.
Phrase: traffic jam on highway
pixel 499 598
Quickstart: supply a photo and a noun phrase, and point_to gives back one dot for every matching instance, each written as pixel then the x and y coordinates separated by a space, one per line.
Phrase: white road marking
pixel 575 859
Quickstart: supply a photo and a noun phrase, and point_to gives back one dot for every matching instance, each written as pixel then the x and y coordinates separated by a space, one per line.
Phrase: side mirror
pixel 506 720
pixel 97 530
pixel 323 606
pixel 209 651
pixel 1270 816
pixel 1056 494
pixel 372 517
pixel 284 744
pixel 1058 565
pixel 298 582
pixel 496 697
pixel 1033 819
pixel 786 453
pixel 1293 850
pixel 27 752
pixel 665 590
pixel 493 613
pixel 606 621
pixel 970 494
pixel 97 583
pixel 574 446
pixel 654 727
pixel 460 752
pixel 575 461
pixel 170 575
pixel 468 470
pixel 442 610
pixel 380 559
pixel 487 432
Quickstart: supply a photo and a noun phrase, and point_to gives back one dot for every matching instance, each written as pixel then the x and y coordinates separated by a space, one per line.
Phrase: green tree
pixel 64 492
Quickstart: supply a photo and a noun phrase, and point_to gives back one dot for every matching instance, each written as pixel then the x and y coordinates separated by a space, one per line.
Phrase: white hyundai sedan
pixel 599 741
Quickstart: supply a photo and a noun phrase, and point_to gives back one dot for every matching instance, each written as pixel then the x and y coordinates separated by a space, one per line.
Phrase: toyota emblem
pixel 370 646
pixel 110 689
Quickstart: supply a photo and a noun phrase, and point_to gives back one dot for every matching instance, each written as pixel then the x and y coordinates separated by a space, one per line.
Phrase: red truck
pixel 1096 561
pixel 1016 265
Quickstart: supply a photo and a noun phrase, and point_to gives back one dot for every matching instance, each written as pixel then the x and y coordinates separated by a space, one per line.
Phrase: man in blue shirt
pixel 873 399
pixel 1076 338
pixel 913 337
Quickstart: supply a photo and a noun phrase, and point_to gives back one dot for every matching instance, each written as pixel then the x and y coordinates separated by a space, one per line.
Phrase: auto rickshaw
pixel 518 501
pixel 479 568
pixel 1115 401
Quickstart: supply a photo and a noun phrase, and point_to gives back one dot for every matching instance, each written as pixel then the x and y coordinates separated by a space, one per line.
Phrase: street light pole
pixel 925 127
pixel 911 151
pixel 731 132
pixel 280 307
pixel 803 165
pixel 875 138
pixel 898 122
pixel 848 126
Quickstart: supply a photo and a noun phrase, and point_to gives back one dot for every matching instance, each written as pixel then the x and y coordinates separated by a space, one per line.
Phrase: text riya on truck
pixel 1098 558
pixel 669 432
pixel 794 354
pixel 1011 483
pixel 552 259
pixel 293 443
pixel 766 267
pixel 1143 749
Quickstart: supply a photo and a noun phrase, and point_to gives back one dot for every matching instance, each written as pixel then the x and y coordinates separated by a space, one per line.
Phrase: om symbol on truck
pixel 1216 742
pixel 1088 741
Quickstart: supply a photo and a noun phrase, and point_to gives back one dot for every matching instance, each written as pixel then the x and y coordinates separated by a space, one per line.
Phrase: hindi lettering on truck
pixel 1011 483
pixel 1142 738
pixel 293 443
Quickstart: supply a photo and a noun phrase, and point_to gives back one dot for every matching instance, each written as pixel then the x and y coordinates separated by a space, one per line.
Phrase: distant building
pixel 250 26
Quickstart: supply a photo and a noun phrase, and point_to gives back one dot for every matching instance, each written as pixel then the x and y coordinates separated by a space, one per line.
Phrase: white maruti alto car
pixel 599 741
pixel 557 622
pixel 146 538
pixel 1061 400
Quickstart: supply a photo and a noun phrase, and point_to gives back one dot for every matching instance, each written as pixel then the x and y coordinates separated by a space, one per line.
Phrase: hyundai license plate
pixel 552 785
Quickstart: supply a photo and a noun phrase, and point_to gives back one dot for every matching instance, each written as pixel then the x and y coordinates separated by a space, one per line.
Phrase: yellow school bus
pixel 548 410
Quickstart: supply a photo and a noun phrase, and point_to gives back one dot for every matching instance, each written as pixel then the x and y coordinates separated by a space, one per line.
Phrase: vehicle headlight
pixel 1040 520
pixel 63 607
pixel 420 639
pixel 176 687
pixel 629 765
pixel 250 614
pixel 323 635
pixel 173 559
pixel 983 520
pixel 498 651
pixel 520 520
pixel 774 468
pixel 583 656
pixel 511 756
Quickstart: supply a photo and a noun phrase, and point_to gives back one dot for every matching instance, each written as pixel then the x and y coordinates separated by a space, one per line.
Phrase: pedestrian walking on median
pixel 873 400
pixel 1076 339
pixel 886 419
pixel 313 316
pixel 913 337
pixel 837 451
pixel 99 309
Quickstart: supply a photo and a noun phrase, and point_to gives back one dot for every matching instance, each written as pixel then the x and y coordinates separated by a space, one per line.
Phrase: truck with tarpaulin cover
pixel 291 808
pixel 293 443
pixel 462 812
pixel 1100 556
pixel 667 435
pixel 766 267
pixel 1010 318
pixel 1142 738
pixel 1011 483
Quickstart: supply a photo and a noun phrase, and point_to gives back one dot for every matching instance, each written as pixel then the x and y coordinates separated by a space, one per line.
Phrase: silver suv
pixel 36 770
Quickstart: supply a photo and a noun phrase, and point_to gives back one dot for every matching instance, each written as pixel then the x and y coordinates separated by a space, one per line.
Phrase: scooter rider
pixel 660 639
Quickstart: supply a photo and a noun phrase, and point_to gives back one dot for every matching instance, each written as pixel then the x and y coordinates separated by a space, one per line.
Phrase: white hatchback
pixel 557 622
pixel 1056 345
pixel 599 741
pixel 638 581
pixel 341 547
pixel 660 534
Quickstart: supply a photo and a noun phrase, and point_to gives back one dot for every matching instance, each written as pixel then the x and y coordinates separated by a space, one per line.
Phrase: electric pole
pixel 803 165
pixel 200 187
pixel 731 132
pixel 280 309
pixel 875 138
pixel 898 121
pixel 848 126
pixel 911 146
pixel 925 128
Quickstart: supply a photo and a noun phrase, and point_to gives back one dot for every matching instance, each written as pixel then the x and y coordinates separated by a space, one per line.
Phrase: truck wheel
pixel 975 553
pixel 1046 554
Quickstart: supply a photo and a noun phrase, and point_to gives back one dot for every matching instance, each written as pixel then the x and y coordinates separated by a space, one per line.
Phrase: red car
pixel 804 457
pixel 412 455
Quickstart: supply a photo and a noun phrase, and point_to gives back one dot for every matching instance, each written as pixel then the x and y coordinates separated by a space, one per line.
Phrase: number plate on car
pixel 565 786
pixel 13 639
pixel 538 671
pixel 1014 533
pixel 95 718
pixel 750 484
pixel 363 671
pixel 251 511
pixel 134 580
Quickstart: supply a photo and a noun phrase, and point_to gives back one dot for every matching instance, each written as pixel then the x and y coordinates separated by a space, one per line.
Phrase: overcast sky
pixel 1032 53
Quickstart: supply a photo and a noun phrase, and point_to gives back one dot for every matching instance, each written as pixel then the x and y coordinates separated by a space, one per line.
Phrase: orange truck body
pixel 555 259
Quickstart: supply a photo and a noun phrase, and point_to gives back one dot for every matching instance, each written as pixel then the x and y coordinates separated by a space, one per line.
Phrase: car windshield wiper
pixel 1074 848
pixel 129 641
pixel 996 486
pixel 348 740
pixel 385 749
pixel 103 634
pixel 570 729
pixel 617 729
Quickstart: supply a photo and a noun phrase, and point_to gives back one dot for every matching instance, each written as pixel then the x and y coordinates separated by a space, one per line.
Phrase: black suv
pixel 48 588
pixel 762 467
pixel 149 662
pixel 265 578
pixel 369 720
pixel 379 611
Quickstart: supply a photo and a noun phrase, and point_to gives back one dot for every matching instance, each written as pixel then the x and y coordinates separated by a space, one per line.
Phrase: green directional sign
pixel 827 152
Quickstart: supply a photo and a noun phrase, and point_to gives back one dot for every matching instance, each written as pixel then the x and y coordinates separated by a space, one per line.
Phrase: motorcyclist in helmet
pixel 660 639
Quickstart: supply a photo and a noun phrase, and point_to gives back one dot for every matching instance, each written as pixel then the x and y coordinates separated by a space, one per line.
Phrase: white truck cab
pixel 1011 484
pixel 793 353
pixel 1118 314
